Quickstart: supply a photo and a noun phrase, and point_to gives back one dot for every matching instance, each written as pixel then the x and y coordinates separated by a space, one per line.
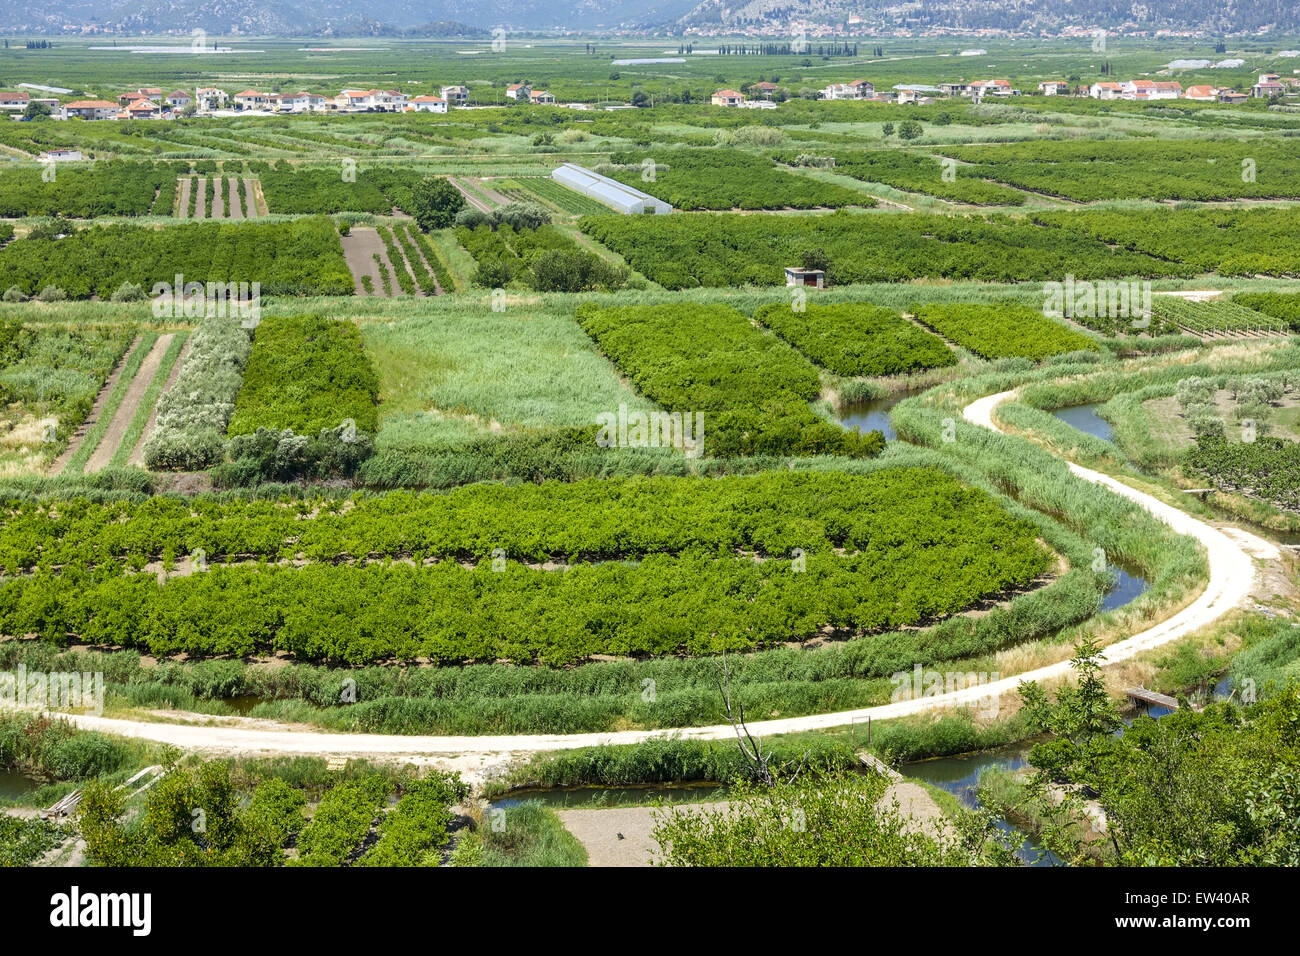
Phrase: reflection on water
pixel 1086 419
pixel 871 415
pixel 960 776
pixel 1127 586
pixel 15 784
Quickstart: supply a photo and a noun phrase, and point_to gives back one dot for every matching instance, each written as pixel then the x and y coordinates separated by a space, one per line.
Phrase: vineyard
pixel 301 257
pixel 720 178
pixel 1267 468
pixel 1003 331
pixel 753 389
pixel 857 339
pixel 1215 317
pixel 1285 307
pixel 452 613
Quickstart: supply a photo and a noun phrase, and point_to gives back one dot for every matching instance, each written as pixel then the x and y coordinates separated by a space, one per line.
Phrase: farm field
pixel 404 507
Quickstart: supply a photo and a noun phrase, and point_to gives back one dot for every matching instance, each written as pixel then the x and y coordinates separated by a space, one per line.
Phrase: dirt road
pixel 1232 576
pixel 117 428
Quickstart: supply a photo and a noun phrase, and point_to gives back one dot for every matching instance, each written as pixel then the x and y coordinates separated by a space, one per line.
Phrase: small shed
pixel 795 275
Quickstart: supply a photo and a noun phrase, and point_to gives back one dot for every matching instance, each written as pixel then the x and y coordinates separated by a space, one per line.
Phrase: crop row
pixel 921 173
pixel 336 189
pixel 857 338
pixel 1267 468
pixel 1280 305
pixel 1217 316
pixel 84 192
pixel 302 257
pixel 682 252
pixel 753 389
pixel 768 514
pixel 719 178
pixel 190 430
pixel 448 614
pixel 1003 330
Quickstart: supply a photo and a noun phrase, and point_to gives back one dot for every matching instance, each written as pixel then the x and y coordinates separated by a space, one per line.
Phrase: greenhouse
pixel 612 193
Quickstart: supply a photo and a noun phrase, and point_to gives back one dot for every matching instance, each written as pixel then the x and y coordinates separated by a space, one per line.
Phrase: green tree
pixel 909 129
pixel 435 202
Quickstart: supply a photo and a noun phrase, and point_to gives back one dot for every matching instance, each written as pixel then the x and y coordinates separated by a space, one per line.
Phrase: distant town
pixel 154 103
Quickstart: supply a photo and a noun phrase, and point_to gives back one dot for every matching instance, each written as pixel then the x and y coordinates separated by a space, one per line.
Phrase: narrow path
pixel 218 198
pixel 1232 576
pixel 96 410
pixel 470 197
pixel 183 201
pixel 200 190
pixel 137 454
pixel 235 211
pixel 117 428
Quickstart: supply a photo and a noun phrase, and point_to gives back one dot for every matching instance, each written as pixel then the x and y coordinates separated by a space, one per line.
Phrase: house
pixel 303 102
pixel 992 88
pixel 954 89
pixel 427 104
pixel 797 276
pixel 864 88
pixel 142 109
pixel 210 98
pixel 1232 96
pixel 1054 88
pixel 1266 87
pixel 251 100
pixel 144 93
pixel 14 102
pixel 391 101
pixel 541 97
pixel 61 156
pixel 455 95
pixel 727 98
pixel 354 100
pixel 1150 90
pixel 90 109
pixel 1105 91
pixel 1206 94
pixel 178 100
pixel 518 91
pixel 764 88
pixel 1167 90
pixel 908 97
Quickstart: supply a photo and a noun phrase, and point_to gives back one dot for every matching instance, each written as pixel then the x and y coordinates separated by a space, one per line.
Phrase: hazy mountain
pixel 1215 16
pixel 453 17
pixel 337 17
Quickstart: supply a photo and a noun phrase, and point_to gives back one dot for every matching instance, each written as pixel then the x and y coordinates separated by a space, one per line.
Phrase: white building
pixel 455 95
pixel 427 104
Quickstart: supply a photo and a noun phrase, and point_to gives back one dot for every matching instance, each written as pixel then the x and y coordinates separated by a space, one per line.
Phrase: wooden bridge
pixel 1150 697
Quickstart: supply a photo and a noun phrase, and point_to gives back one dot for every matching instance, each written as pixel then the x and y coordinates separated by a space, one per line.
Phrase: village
pixel 153 103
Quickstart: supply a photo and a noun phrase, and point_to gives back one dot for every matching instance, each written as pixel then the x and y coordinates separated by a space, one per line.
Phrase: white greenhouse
pixel 611 192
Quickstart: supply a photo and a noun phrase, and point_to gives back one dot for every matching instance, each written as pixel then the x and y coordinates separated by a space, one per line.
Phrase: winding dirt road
pixel 1232 577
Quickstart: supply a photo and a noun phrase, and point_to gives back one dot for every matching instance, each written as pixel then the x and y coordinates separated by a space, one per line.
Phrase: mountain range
pixel 777 17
